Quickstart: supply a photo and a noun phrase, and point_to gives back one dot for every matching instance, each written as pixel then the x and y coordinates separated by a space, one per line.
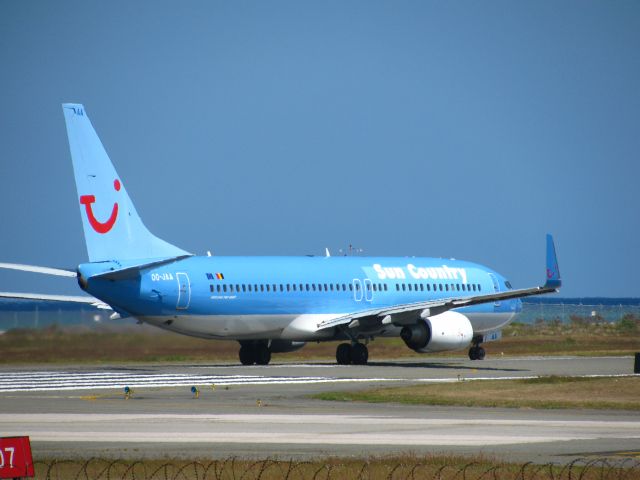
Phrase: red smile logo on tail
pixel 100 227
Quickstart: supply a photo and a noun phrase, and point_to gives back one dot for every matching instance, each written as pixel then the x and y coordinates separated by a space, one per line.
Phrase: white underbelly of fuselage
pixel 298 327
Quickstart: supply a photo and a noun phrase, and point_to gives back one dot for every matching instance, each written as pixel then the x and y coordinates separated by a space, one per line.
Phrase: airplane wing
pixel 58 298
pixel 406 313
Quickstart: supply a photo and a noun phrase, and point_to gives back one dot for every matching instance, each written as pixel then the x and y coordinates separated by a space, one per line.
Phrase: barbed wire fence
pixel 390 469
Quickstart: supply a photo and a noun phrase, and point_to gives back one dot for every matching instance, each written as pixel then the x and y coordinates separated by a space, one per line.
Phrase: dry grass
pixel 622 393
pixel 151 345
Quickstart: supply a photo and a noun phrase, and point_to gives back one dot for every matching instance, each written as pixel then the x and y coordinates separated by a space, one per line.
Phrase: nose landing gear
pixel 352 353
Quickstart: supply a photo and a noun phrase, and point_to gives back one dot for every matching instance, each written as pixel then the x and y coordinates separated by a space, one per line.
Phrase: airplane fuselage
pixel 287 297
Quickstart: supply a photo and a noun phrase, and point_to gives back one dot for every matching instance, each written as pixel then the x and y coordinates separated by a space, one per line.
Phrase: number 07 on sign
pixel 15 458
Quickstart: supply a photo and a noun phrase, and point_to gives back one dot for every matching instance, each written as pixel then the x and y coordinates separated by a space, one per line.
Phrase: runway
pixel 265 411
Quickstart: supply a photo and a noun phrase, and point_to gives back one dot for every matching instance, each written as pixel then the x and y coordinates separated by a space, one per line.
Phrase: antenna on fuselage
pixel 351 251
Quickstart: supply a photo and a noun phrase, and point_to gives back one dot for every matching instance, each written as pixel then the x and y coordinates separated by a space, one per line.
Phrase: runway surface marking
pixel 55 381
pixel 328 429
pixel 60 380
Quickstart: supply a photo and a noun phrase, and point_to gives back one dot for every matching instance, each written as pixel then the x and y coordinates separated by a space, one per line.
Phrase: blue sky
pixel 455 129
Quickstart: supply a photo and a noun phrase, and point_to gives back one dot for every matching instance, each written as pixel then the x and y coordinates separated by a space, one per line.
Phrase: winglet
pixel 553 272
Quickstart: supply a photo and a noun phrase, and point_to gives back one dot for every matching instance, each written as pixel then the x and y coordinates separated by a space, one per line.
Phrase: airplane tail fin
pixel 553 272
pixel 112 228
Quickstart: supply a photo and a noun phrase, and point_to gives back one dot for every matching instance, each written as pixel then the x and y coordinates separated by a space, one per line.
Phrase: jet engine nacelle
pixel 447 331
pixel 285 346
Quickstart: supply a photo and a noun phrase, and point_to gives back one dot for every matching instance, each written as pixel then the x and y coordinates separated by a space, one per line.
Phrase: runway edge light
pixel 127 393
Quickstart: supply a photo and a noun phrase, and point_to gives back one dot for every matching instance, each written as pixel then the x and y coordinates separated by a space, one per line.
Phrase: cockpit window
pixel 507 283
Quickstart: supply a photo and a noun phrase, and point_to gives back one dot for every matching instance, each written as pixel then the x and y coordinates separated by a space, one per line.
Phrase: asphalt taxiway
pixel 79 412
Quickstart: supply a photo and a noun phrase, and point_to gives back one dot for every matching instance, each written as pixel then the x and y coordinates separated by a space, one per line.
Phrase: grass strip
pixel 618 393
pixel 148 344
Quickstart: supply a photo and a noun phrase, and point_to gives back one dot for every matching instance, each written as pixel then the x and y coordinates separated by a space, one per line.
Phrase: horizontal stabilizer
pixel 36 269
pixel 57 298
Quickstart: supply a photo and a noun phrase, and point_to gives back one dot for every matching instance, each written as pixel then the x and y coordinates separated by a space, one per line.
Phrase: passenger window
pixel 350 287
pixel 344 287
pixel 237 287
pixel 404 287
pixel 218 288
pixel 288 287
pixel 249 287
pixel 211 287
pixel 385 287
pixel 375 287
pixel 282 288
pixel 479 287
pixel 307 285
pixel 262 287
pixel 224 288
pixel 440 286
pixel 397 287
pixel 244 287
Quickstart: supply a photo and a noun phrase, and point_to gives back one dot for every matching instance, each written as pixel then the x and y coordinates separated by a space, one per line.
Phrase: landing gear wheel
pixel 247 355
pixel 477 353
pixel 343 354
pixel 359 354
pixel 262 354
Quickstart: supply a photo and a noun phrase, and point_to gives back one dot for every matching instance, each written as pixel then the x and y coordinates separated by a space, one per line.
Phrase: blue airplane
pixel 274 304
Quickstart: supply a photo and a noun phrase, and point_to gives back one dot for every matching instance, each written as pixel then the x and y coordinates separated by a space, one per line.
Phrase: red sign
pixel 15 457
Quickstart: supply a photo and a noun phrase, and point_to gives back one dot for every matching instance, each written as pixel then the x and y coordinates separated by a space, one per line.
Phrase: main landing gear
pixel 252 352
pixel 476 352
pixel 348 353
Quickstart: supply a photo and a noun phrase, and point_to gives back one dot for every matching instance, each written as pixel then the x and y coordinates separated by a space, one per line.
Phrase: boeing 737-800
pixel 274 304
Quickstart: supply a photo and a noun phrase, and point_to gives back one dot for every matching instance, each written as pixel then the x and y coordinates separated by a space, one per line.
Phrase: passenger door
pixel 184 291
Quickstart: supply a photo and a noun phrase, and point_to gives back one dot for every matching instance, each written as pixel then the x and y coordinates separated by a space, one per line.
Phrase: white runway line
pixel 315 429
pixel 61 381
